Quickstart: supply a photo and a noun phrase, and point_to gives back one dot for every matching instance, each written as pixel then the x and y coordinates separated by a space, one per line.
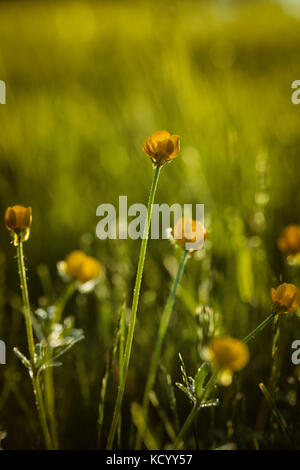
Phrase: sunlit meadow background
pixel 87 82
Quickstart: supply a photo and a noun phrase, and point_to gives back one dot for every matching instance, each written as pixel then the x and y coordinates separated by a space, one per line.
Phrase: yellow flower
pixel 162 147
pixel 90 269
pixel 227 355
pixel 18 221
pixel 286 298
pixel 188 231
pixel 82 267
pixel 289 240
pixel 73 262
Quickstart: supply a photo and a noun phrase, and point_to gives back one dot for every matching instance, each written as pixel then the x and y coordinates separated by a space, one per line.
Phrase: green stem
pixel 210 385
pixel 49 381
pixel 50 401
pixel 121 389
pixel 274 368
pixel 274 355
pixel 41 410
pixel 63 299
pixel 165 319
pixel 35 379
pixel 121 362
pixel 25 298
pixel 194 411
pixel 258 328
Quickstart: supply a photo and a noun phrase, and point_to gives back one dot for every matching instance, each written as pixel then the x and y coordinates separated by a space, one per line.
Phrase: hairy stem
pixel 121 389
pixel 34 377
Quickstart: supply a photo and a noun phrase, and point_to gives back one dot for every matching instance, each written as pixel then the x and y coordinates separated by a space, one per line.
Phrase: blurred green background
pixel 87 82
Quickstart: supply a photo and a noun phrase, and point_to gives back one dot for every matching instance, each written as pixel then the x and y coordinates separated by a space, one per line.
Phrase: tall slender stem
pixel 34 377
pixel 274 367
pixel 121 361
pixel 50 401
pixel 49 373
pixel 274 356
pixel 165 319
pixel 258 328
pixel 135 301
pixel 25 298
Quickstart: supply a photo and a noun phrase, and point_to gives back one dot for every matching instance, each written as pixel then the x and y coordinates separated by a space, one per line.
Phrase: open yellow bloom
pixel 162 147
pixel 18 221
pixel 90 269
pixel 286 298
pixel 82 267
pixel 73 263
pixel 227 355
pixel 189 234
pixel 289 240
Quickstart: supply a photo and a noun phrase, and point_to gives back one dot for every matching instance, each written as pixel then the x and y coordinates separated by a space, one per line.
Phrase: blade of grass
pixel 165 319
pixel 105 380
pixel 121 361
pixel 139 421
pixel 276 413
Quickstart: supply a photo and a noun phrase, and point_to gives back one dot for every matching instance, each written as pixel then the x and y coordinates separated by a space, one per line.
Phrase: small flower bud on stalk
pixel 18 221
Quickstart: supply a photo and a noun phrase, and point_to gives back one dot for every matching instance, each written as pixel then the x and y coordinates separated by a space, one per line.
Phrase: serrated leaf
pixel 50 364
pixel 23 358
pixel 183 370
pixel 208 403
pixel 186 391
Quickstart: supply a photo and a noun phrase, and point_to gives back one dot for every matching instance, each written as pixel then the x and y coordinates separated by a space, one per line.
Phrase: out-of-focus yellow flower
pixel 73 263
pixel 286 298
pixel 227 355
pixel 189 234
pixel 90 269
pixel 82 267
pixel 289 240
pixel 162 147
pixel 18 221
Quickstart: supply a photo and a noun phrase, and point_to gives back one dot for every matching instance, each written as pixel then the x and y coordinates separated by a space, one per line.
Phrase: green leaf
pixel 139 421
pixel 277 415
pixel 200 377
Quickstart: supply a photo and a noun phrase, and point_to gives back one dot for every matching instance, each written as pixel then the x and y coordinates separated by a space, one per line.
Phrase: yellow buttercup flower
pixel 289 240
pixel 82 267
pixel 162 147
pixel 18 221
pixel 73 263
pixel 90 269
pixel 188 231
pixel 227 355
pixel 286 298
